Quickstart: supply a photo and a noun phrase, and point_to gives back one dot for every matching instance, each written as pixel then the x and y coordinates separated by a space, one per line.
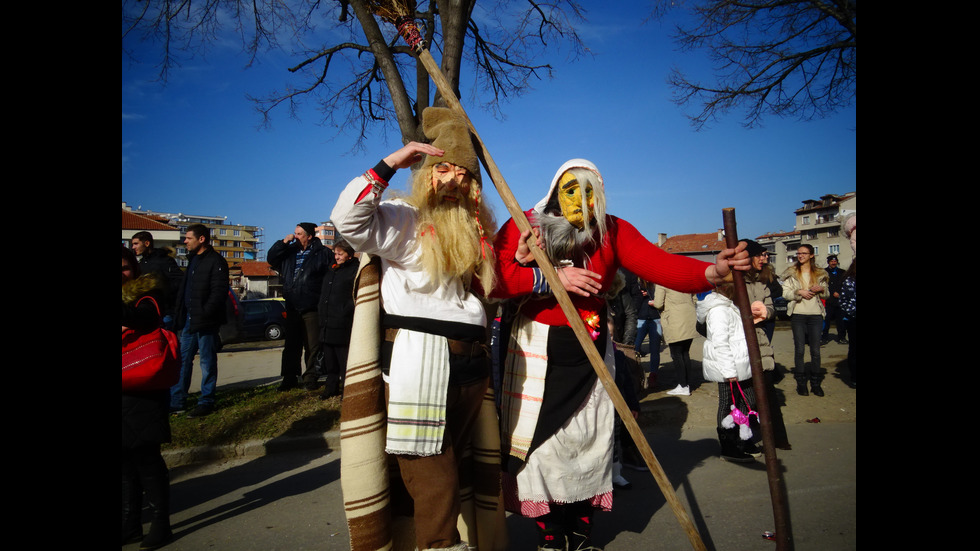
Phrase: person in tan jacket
pixel 678 318
pixel 804 288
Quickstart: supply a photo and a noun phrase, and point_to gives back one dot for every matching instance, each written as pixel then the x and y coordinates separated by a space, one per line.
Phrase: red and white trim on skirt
pixel 534 509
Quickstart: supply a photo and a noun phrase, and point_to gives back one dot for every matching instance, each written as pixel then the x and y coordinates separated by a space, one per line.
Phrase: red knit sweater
pixel 624 246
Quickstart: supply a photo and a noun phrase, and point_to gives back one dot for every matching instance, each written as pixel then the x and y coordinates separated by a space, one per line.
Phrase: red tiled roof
pixel 257 268
pixel 694 243
pixel 133 221
pixel 779 234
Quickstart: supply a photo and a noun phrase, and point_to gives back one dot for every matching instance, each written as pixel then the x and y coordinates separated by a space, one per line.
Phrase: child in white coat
pixel 726 361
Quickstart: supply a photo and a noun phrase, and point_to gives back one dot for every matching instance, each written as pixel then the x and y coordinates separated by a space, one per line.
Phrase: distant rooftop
pixel 693 242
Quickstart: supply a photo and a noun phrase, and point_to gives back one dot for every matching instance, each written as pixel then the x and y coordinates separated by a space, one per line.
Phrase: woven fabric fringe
pixel 523 385
pixel 364 476
pixel 482 520
pixel 417 385
pixel 363 464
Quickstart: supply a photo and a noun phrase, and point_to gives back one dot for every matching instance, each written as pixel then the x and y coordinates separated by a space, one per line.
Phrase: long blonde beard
pixel 454 242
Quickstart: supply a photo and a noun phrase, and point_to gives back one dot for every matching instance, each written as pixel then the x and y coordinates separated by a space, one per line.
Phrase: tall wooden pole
pixel 776 487
pixel 406 28
pixel 574 320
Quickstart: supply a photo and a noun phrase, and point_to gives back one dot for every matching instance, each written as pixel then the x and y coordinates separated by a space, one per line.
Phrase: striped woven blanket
pixel 365 478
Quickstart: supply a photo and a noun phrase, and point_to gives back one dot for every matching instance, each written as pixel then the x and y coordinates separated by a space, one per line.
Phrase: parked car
pixel 228 332
pixel 257 319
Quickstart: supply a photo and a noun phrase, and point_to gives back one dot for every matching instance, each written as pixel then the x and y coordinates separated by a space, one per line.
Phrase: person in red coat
pixel 556 418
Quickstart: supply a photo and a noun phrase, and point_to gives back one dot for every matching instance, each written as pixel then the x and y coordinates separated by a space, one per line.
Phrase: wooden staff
pixel 402 18
pixel 776 487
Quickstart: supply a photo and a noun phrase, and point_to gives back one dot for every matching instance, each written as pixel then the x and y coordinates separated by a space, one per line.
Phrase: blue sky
pixel 194 145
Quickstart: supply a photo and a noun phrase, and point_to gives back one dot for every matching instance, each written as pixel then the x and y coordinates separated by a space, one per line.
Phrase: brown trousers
pixel 433 481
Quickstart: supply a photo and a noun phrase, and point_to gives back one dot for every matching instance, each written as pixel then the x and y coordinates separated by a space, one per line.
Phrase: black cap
pixel 753 248
pixel 309 228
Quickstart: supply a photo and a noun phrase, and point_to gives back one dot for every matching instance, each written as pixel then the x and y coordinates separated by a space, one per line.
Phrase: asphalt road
pixel 291 500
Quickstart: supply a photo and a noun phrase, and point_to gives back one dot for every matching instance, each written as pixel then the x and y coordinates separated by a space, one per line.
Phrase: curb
pixel 652 414
pixel 251 449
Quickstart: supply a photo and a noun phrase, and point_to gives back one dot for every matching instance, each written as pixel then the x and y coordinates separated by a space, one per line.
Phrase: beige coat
pixel 678 313
pixel 758 291
pixel 791 286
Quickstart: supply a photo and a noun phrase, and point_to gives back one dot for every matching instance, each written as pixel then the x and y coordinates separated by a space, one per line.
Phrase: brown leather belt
pixel 461 348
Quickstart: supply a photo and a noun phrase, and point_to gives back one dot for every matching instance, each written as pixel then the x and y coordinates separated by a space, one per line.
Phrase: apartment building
pixel 818 224
pixel 236 242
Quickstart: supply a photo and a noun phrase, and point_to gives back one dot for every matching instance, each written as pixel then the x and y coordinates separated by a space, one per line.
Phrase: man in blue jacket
pixel 302 261
pixel 199 313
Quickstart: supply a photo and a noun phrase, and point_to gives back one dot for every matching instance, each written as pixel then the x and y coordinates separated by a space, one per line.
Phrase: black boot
pixel 815 388
pixel 157 487
pixel 801 388
pixel 578 524
pixel 751 446
pixel 551 533
pixel 730 450
pixel 331 386
pixel 132 509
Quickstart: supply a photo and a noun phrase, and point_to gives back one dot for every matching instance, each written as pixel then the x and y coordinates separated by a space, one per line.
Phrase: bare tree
pixel 781 57
pixel 352 65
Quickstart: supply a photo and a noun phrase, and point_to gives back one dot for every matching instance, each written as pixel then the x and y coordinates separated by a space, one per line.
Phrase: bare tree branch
pixel 771 57
pixel 358 83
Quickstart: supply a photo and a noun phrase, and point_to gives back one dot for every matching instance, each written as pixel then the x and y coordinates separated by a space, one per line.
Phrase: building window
pixel 806 221
pixel 237 233
pixel 833 249
pixel 222 231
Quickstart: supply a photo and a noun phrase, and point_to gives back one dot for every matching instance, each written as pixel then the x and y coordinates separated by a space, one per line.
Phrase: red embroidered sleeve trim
pixel 375 183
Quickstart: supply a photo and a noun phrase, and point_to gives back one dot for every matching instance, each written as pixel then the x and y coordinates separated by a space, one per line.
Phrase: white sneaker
pixel 620 482
pixel 680 391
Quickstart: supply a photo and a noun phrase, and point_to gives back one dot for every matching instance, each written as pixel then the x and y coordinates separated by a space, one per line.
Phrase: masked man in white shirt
pixel 437 265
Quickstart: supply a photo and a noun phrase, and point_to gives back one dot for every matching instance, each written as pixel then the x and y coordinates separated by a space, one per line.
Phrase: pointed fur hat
pixel 449 132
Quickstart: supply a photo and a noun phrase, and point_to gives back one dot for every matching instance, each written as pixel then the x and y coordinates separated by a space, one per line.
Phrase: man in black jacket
pixel 157 260
pixel 200 311
pixel 302 261
pixel 833 311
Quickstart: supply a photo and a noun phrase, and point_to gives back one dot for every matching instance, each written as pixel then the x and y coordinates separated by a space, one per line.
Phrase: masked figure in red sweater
pixel 556 418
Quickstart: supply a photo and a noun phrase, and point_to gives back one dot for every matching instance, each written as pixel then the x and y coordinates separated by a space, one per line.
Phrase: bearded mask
pixel 450 182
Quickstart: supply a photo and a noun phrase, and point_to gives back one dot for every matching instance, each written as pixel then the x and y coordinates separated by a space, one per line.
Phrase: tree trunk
pixel 383 57
pixel 454 15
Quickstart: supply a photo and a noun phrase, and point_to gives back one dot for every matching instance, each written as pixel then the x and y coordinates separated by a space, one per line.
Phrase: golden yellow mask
pixel 571 200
